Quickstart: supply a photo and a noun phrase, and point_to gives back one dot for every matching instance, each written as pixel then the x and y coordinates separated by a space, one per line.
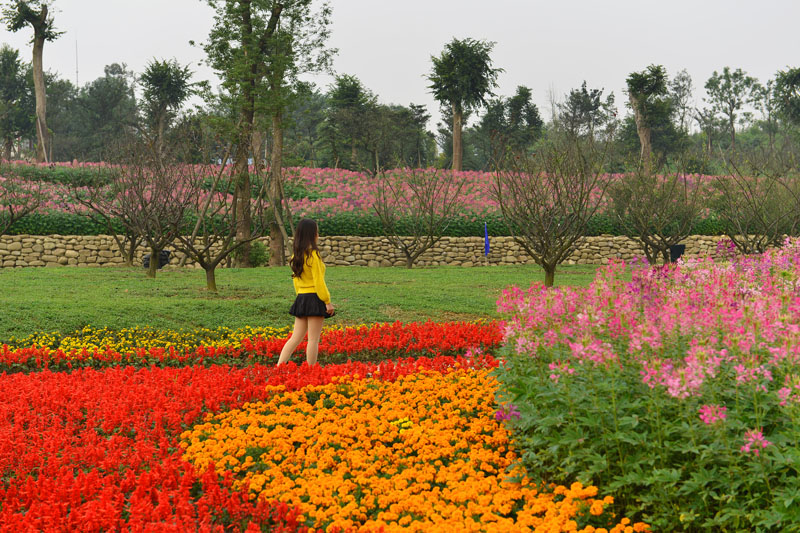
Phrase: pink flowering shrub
pixel 678 387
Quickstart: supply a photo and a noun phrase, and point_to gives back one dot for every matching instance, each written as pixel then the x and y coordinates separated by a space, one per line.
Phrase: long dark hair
pixel 305 241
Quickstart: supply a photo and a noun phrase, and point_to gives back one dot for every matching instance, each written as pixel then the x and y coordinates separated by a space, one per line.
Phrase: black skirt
pixel 308 304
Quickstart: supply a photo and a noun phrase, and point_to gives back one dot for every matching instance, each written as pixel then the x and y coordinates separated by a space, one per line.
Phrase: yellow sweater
pixel 313 278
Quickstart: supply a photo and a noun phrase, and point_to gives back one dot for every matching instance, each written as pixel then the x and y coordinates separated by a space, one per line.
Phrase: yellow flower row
pixel 128 339
pixel 423 453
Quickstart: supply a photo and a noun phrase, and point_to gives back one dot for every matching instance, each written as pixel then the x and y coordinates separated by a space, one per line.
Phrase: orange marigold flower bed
pixel 422 453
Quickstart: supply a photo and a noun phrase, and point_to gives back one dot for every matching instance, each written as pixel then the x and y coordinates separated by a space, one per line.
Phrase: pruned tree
pixel 759 201
pixel 548 198
pixel 17 15
pixel 657 209
pixel 415 207
pixel 18 198
pixel 647 92
pixel 461 79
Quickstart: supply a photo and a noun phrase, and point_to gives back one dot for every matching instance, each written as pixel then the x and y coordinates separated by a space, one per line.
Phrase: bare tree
pixel 18 198
pixel 658 210
pixel 547 199
pixel 214 235
pixel 96 201
pixel 148 195
pixel 759 201
pixel 416 206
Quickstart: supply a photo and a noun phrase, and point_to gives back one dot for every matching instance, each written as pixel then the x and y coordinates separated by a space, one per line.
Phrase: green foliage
pixel 787 94
pixel 18 14
pixel 347 223
pixel 74 176
pixel 603 426
pixel 514 122
pixel 259 254
pixel 728 92
pixel 58 223
pixel 462 75
pixel 166 87
pixel 16 101
pixel 585 112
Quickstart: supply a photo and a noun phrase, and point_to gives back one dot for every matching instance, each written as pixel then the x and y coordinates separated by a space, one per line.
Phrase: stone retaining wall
pixel 96 251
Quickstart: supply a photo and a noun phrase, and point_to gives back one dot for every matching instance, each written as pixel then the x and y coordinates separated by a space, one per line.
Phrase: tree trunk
pixel 247 85
pixel 211 279
pixel 42 136
pixel 243 193
pixel 7 147
pixel 643 130
pixel 409 261
pixel 733 135
pixel 155 256
pixel 457 149
pixel 277 254
pixel 258 158
pixel 549 275
pixel 160 133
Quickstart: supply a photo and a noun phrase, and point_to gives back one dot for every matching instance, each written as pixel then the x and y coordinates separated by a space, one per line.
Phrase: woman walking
pixel 313 302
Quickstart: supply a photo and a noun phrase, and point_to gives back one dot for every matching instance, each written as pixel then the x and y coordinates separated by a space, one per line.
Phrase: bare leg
pixel 314 331
pixel 300 329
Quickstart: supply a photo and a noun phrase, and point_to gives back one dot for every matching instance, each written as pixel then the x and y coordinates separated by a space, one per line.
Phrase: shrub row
pixel 348 223
pixel 77 176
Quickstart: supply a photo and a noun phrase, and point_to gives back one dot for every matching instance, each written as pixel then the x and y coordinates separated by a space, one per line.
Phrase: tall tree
pixel 787 94
pixel 166 87
pixel 767 102
pixel 680 91
pixel 14 115
pixel 646 93
pixel 35 13
pixel 524 124
pixel 585 112
pixel 258 47
pixel 348 104
pixel 514 122
pixel 303 126
pixel 106 112
pixel 461 79
pixel 728 92
pixel 420 117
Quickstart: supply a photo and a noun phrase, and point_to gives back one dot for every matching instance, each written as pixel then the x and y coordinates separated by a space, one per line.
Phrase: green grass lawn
pixel 67 299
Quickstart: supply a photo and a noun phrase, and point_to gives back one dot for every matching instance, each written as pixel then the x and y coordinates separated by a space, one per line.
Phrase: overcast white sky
pixel 547 45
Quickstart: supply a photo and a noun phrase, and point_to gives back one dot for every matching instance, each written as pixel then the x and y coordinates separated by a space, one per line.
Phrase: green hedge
pixel 77 176
pixel 353 224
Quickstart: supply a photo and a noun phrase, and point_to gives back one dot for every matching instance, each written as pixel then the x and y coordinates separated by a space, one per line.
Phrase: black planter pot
pixel 163 259
pixel 675 251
